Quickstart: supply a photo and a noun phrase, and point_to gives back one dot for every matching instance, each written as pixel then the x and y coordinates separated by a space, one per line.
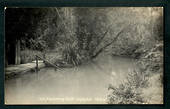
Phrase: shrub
pixel 152 60
pixel 71 55
pixel 129 92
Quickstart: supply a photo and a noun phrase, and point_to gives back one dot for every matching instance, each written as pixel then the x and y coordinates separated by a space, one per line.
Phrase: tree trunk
pixel 17 52
pixel 98 52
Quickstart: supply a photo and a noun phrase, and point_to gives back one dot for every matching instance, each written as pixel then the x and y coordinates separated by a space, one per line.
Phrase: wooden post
pixel 36 64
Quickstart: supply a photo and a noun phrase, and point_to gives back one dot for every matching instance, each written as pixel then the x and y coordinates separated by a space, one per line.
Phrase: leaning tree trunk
pixel 99 51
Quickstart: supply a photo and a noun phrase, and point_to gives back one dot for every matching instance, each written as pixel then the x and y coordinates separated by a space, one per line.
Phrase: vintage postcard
pixel 84 55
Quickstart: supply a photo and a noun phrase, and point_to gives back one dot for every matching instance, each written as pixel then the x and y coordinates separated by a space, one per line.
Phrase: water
pixel 86 84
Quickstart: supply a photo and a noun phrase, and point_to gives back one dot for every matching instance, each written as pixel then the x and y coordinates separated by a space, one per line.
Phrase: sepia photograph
pixel 84 55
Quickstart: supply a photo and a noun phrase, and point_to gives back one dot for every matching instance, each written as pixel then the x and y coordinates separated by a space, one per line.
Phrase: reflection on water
pixel 87 83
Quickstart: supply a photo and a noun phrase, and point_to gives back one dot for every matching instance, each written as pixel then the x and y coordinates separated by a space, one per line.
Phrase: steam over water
pixel 87 83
